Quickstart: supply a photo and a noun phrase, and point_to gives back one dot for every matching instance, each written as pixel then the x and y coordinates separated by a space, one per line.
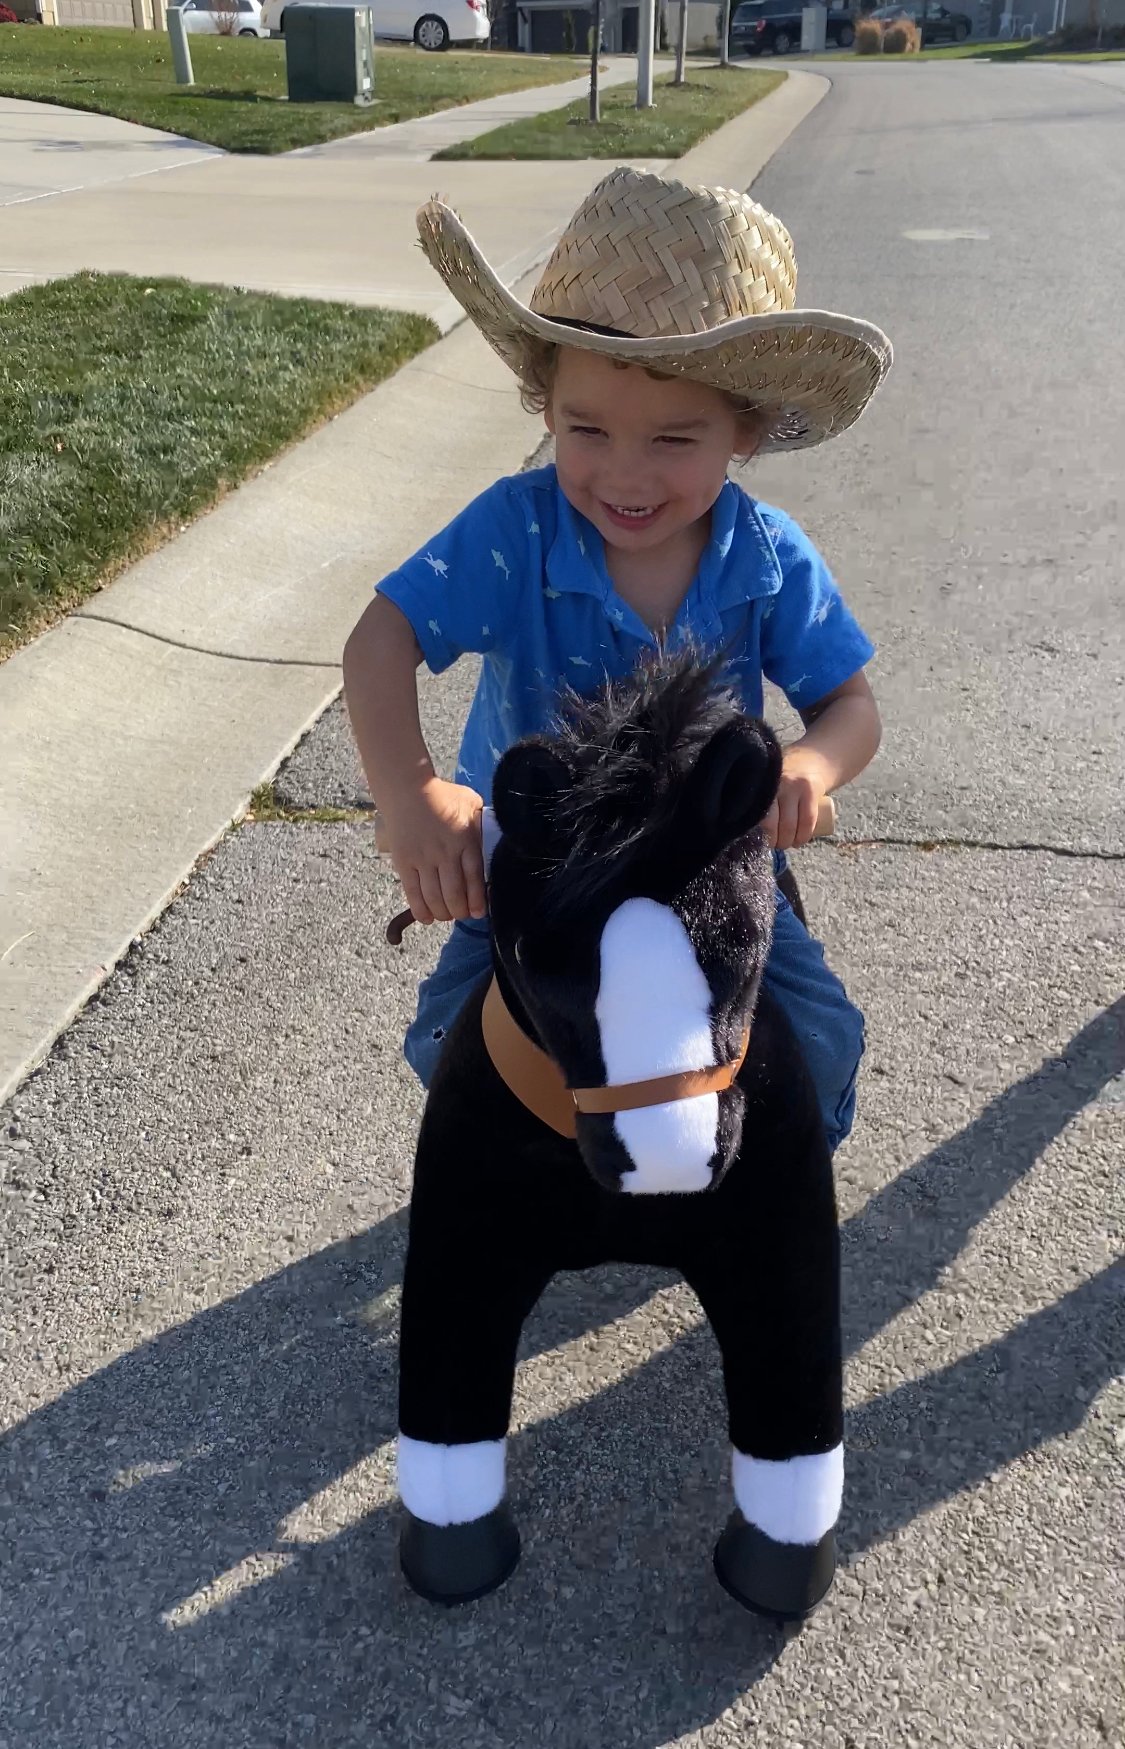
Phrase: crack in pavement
pixel 976 844
pixel 201 649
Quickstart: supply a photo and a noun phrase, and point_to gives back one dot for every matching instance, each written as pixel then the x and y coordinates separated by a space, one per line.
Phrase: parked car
pixel 935 23
pixel 223 17
pixel 757 25
pixel 432 24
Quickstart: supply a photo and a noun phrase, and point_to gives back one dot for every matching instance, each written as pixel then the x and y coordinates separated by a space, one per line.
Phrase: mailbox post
pixel 181 54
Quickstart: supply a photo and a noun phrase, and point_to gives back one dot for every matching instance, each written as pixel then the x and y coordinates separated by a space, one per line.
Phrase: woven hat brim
pixel 811 372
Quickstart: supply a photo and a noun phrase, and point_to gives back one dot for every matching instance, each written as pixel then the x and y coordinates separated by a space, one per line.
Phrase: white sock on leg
pixel 793 1500
pixel 450 1484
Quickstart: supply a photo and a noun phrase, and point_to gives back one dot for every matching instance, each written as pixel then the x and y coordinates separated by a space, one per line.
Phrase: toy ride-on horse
pixel 623 1090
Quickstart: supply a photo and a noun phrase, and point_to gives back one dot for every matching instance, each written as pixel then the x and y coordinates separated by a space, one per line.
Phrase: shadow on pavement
pixel 140 1487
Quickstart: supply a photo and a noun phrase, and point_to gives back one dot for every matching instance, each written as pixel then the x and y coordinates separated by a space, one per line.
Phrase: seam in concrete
pixel 202 649
pixel 130 176
pixel 839 843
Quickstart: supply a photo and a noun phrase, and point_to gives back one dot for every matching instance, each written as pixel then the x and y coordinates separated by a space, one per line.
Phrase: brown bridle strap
pixel 662 1089
pixel 538 1083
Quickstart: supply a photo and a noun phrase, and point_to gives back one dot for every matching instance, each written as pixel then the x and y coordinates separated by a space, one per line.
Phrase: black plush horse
pixel 621 1091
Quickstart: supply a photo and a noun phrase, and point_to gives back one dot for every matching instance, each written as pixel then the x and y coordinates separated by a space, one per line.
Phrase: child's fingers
pixel 412 889
pixel 453 888
pixel 432 894
pixel 472 866
pixel 804 825
pixel 769 825
pixel 786 820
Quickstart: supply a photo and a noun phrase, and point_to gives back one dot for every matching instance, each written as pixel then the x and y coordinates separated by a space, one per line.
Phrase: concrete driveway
pixel 204 1185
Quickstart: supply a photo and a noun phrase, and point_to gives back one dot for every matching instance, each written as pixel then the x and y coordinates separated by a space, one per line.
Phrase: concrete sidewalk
pixel 142 723
pixel 48 151
pixel 305 227
pixel 330 221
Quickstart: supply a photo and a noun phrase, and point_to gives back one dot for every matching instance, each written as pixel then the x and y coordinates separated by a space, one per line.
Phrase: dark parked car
pixel 936 23
pixel 757 25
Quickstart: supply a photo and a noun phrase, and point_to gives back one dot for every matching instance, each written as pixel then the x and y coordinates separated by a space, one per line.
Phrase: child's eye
pixel 678 442
pixel 586 431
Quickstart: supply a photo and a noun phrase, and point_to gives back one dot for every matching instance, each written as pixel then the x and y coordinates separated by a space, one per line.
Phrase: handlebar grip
pixel 824 828
pixel 397 927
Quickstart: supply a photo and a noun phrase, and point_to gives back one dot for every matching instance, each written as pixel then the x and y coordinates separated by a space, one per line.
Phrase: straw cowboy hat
pixel 695 282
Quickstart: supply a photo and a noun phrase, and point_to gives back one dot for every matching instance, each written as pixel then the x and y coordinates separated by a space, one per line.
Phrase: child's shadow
pixel 157 1592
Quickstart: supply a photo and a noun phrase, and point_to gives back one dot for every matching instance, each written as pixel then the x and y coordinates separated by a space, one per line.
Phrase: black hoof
pixel 784 1581
pixel 457 1563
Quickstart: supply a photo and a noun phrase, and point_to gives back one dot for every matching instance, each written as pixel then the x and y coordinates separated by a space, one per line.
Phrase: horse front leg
pixel 770 1289
pixel 467 1289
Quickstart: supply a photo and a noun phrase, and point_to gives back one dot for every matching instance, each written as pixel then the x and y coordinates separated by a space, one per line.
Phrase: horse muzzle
pixel 667 1125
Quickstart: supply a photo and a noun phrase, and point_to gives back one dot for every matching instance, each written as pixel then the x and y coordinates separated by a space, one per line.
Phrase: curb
pixel 145 720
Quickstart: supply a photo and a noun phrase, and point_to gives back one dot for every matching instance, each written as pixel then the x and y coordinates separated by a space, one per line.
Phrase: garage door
pixel 119 12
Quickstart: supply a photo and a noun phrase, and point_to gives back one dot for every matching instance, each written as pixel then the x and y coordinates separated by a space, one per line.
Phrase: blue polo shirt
pixel 520 577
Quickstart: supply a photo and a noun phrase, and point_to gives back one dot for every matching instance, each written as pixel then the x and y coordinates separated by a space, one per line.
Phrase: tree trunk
pixel 595 51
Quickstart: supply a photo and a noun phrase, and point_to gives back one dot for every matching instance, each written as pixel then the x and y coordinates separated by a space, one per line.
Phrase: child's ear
pixel 749 437
pixel 549 416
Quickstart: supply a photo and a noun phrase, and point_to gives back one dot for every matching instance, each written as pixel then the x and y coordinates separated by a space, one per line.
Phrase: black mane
pixel 630 748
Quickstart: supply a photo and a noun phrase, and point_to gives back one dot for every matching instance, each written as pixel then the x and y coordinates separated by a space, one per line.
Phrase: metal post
pixel 595 51
pixel 681 45
pixel 724 36
pixel 181 54
pixel 646 21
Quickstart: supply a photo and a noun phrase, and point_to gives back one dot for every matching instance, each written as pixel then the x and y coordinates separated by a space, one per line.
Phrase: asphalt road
pixel 204 1186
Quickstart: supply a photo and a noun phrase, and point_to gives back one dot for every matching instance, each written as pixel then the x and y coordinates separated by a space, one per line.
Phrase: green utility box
pixel 329 53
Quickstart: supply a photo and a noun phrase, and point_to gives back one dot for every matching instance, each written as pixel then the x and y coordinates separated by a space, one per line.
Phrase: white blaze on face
pixel 654 1017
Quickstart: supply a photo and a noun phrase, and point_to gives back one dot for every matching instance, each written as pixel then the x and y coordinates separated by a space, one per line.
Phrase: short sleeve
pixel 811 643
pixel 461 592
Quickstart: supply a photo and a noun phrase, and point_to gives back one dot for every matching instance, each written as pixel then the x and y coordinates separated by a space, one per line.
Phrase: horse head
pixel 632 902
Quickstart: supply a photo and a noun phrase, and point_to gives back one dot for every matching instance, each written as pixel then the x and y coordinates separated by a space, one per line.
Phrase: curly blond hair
pixel 537 361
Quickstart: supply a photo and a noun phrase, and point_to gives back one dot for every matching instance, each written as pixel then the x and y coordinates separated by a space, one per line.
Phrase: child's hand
pixel 791 820
pixel 434 841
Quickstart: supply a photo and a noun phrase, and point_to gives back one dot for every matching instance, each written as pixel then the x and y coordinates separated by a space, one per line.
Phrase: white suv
pixel 432 24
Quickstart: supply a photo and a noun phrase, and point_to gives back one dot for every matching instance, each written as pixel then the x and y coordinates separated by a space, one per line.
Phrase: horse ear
pixel 736 778
pixel 527 780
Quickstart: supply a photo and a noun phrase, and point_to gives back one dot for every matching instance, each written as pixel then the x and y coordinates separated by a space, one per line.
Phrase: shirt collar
pixel 731 570
pixel 576 558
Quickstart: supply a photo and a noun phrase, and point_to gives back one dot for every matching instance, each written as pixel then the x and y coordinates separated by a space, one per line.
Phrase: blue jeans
pixel 828 1025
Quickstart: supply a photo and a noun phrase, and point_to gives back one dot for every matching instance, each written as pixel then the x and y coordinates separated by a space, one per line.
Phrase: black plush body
pixel 657 878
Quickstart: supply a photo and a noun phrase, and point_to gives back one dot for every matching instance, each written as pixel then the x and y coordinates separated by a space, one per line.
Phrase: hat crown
pixel 652 258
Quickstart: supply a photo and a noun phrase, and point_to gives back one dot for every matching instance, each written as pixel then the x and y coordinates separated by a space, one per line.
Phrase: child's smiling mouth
pixel 630 515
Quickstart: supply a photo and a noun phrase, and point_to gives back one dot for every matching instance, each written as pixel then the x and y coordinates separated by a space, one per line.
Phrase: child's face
pixel 642 458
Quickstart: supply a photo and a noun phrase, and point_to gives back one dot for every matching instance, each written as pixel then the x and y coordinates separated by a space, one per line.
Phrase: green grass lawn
pixel 128 406
pixel 681 116
pixel 239 97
